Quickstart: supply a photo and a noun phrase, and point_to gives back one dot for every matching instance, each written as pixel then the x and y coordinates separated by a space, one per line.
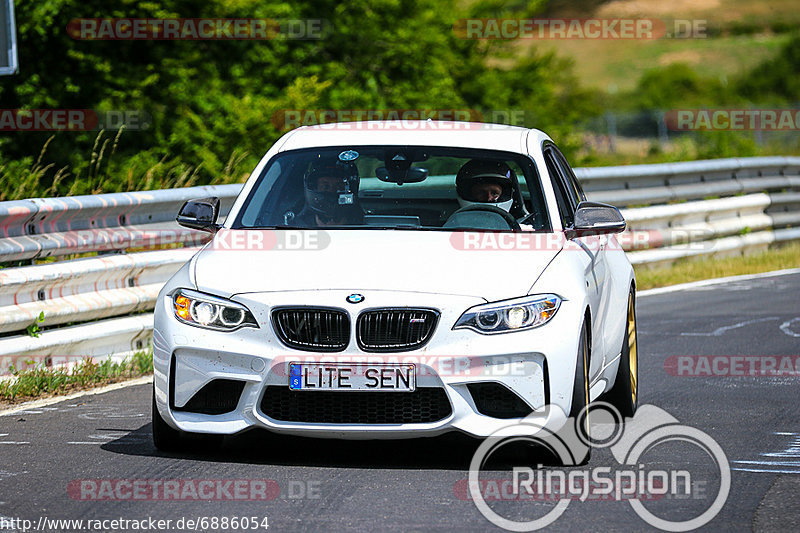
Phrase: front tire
pixel 168 439
pixel 570 445
pixel 165 437
pixel 578 412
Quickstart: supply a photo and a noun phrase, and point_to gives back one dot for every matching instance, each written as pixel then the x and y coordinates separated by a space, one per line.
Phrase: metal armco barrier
pixel 42 227
pixel 101 305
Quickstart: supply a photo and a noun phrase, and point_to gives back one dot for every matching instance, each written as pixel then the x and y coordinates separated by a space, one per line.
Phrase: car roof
pixel 414 133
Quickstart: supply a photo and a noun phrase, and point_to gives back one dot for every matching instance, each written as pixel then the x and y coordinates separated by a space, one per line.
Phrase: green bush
pixel 775 80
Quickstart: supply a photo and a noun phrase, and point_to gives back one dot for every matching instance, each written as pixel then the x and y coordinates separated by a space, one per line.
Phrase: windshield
pixel 397 187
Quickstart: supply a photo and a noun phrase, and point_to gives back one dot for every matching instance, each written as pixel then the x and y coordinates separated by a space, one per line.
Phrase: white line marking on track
pixel 705 282
pixel 721 331
pixel 786 327
pixel 791 451
pixel 13 442
pixel 764 470
pixel 767 463
pixel 104 416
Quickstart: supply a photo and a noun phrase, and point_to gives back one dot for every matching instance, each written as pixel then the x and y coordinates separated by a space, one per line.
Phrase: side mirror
pixel 200 214
pixel 593 218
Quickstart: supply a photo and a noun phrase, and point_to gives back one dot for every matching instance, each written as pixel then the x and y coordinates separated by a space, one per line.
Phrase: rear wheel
pixel 624 395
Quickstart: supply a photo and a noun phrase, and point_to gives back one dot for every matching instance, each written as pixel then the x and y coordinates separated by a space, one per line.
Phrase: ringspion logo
pixel 705 474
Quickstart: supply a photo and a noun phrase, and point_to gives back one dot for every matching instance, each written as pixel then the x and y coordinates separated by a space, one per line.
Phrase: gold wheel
pixel 633 356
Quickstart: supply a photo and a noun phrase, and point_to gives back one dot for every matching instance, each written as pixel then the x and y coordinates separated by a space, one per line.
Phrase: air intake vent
pixel 424 405
pixel 497 401
pixel 215 398
pixel 395 330
pixel 312 328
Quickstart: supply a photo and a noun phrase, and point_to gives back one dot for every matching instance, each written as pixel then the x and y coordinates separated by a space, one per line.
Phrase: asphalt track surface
pixel 321 485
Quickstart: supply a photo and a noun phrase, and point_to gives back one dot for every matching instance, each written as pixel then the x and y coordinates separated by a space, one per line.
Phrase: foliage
pixel 210 104
pixel 34 329
pixel 42 380
pixel 776 79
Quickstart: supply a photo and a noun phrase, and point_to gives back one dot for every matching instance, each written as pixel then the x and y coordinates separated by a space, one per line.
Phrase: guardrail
pixel 673 211
pixel 44 227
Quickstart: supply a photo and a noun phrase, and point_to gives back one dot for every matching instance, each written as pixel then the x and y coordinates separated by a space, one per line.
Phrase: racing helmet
pixel 331 189
pixel 475 176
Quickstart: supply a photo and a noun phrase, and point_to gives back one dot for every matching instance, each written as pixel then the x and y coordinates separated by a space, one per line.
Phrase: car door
pixel 568 195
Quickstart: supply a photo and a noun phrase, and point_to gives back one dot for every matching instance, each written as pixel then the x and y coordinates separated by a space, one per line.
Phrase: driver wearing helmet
pixel 331 194
pixel 485 182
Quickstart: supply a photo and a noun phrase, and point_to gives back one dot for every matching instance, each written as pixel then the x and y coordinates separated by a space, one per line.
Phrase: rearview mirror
pixel 593 218
pixel 200 214
pixel 399 176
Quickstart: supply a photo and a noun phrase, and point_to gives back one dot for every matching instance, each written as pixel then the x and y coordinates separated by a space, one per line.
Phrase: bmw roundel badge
pixel 355 298
pixel 348 155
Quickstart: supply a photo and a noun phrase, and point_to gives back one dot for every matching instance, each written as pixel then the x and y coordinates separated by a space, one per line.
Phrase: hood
pixel 488 265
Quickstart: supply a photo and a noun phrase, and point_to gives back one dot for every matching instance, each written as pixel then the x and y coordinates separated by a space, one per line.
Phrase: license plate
pixel 352 377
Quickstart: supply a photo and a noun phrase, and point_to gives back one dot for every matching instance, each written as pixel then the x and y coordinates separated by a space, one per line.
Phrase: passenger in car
pixel 331 194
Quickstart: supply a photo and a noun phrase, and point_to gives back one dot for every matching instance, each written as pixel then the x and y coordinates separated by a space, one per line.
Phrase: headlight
pixel 205 311
pixel 510 315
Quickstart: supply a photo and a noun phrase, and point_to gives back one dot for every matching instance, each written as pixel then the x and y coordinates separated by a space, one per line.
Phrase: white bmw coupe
pixel 395 280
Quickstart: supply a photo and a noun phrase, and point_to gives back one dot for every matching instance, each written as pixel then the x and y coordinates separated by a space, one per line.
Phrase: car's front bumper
pixel 538 365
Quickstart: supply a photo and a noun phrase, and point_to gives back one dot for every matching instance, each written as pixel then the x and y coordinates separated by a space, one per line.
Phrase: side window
pixel 572 182
pixel 564 197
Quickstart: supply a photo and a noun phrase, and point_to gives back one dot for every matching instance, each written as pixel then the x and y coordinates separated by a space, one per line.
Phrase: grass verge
pixel 41 381
pixel 688 270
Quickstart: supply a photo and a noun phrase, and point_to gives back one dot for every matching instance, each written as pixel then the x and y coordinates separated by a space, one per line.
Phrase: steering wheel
pixel 508 217
pixel 533 219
